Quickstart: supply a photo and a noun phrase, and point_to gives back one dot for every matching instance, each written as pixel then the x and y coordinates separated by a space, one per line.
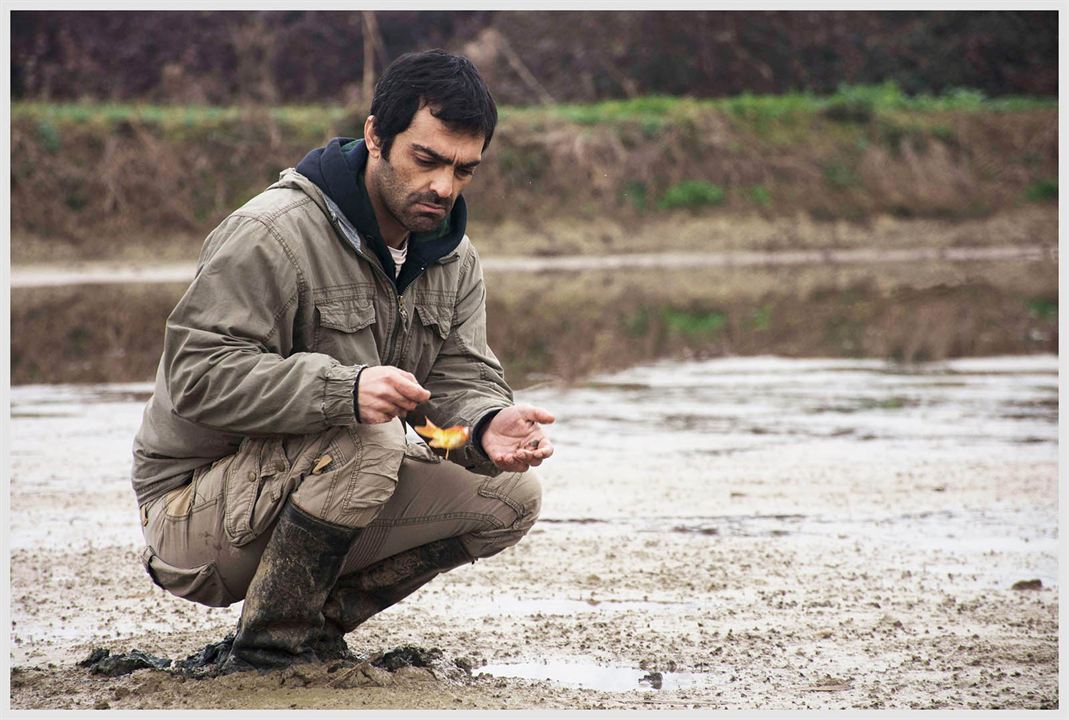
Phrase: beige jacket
pixel 286 306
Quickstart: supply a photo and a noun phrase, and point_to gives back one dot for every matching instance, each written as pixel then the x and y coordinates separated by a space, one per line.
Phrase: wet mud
pixel 715 535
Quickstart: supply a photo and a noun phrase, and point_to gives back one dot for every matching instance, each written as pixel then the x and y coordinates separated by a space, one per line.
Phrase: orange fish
pixel 447 438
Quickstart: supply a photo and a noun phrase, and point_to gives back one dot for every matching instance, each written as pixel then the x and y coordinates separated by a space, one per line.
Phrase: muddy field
pixel 737 533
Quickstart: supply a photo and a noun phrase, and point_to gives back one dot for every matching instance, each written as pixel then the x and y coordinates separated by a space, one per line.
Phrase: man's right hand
pixel 385 392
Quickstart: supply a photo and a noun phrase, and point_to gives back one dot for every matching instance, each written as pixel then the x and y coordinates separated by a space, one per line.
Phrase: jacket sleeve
pixel 227 357
pixel 466 381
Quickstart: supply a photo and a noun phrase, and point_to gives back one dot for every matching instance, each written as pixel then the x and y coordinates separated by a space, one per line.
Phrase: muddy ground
pixel 764 533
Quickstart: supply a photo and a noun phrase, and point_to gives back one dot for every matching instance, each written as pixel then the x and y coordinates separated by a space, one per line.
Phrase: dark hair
pixel 448 84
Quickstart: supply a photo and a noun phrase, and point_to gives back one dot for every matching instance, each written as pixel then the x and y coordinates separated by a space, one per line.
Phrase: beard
pixel 405 205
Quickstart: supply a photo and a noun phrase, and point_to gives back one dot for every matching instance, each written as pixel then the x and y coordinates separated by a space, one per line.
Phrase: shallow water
pixel 577 673
pixel 709 453
pixel 118 273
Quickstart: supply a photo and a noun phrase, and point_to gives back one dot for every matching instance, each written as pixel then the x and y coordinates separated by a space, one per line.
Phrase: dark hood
pixel 338 170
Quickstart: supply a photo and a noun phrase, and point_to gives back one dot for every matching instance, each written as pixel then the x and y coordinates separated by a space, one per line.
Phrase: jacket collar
pixel 337 170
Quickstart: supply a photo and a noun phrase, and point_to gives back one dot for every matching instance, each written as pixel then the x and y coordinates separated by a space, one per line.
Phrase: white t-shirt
pixel 399 256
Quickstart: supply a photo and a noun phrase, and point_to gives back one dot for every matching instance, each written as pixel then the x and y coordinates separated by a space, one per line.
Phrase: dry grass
pixel 90 184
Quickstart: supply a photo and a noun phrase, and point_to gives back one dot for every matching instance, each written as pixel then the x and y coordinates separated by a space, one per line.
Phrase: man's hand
pixel 514 440
pixel 385 392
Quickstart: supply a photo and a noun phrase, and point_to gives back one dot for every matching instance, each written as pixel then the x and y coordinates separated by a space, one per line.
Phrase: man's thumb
pixel 539 415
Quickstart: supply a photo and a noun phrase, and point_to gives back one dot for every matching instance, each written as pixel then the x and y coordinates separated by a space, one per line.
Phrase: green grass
pixel 691 194
pixel 634 192
pixel 1046 189
pixel 840 176
pixel 650 112
pixel 177 118
pixel 760 195
pixel 693 322
pixel 1043 308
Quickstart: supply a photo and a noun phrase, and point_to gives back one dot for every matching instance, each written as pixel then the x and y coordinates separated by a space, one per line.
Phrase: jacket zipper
pixel 402 314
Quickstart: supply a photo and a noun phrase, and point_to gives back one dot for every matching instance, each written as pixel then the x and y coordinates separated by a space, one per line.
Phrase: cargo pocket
pixel 421 452
pixel 380 449
pixel 257 484
pixel 200 584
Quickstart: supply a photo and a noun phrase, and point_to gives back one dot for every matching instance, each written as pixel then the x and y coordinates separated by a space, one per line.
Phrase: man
pixel 271 464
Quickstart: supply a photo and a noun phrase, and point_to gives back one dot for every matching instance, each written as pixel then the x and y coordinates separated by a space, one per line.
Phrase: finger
pixel 401 402
pixel 527 457
pixel 411 389
pixel 544 449
pixel 530 412
pixel 376 418
pixel 538 446
pixel 384 406
pixel 510 463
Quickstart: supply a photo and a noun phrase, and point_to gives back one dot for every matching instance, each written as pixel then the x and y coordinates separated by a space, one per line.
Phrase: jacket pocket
pixel 345 327
pixel 257 483
pixel 428 334
pixel 348 315
pixel 200 584
pixel 436 317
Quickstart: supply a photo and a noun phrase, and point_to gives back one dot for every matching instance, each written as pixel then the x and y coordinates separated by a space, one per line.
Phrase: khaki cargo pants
pixel 204 540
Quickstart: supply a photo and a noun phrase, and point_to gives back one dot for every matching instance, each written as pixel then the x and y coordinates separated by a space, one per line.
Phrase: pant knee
pixel 528 494
pixel 524 498
pixel 349 478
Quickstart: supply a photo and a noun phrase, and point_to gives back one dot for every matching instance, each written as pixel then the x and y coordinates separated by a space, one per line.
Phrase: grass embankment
pixel 94 181
pixel 567 325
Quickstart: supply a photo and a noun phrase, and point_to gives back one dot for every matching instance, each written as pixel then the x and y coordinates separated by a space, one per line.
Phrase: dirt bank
pixel 764 533
pixel 88 178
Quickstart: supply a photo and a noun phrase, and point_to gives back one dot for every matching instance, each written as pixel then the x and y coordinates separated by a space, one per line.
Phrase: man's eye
pixel 465 172
pixel 425 162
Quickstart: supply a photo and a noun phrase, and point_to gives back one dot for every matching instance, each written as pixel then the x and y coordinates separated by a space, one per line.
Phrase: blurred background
pixel 662 184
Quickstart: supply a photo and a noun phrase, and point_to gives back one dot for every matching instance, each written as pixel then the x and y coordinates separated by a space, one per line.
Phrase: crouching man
pixel 272 463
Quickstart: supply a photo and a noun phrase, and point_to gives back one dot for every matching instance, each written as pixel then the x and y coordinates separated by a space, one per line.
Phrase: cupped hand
pixel 385 392
pixel 514 440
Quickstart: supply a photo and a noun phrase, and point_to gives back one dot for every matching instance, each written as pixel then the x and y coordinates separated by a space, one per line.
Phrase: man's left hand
pixel 514 440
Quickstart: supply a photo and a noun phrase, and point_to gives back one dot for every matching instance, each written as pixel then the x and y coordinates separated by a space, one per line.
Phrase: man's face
pixel 429 166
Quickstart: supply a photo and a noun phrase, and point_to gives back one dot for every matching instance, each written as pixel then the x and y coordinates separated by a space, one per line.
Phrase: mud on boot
pixel 359 595
pixel 282 617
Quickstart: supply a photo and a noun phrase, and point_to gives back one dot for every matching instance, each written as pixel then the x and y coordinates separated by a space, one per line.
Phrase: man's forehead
pixel 431 133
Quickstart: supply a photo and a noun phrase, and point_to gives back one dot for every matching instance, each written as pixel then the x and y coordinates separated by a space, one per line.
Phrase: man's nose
pixel 442 182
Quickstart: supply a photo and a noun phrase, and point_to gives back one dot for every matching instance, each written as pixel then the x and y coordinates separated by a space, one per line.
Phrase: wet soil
pixel 739 533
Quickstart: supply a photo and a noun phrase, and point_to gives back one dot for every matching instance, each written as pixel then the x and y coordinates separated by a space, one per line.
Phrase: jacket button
pixel 252 475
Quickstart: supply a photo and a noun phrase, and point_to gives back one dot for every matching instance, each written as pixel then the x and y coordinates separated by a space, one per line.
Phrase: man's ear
pixel 371 139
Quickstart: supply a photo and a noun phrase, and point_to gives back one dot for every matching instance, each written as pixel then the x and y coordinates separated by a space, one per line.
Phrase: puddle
pixel 599 677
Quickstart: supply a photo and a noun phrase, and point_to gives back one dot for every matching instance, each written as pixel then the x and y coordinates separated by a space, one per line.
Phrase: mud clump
pixel 407 655
pixel 208 657
pixel 653 679
pixel 1028 585
pixel 101 662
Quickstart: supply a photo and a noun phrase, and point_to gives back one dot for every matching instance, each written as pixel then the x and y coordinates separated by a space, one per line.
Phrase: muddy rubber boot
pixel 358 596
pixel 283 615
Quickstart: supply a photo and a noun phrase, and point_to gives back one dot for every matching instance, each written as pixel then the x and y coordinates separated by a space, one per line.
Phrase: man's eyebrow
pixel 444 160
